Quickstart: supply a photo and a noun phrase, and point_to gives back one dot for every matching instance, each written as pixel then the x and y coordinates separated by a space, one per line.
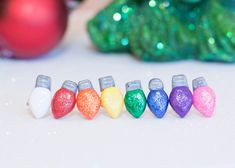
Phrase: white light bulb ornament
pixel 40 99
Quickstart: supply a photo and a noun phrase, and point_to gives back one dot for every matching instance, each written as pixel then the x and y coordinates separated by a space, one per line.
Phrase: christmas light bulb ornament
pixel 88 101
pixel 111 97
pixel 181 98
pixel 40 99
pixel 64 99
pixel 135 99
pixel 157 99
pixel 204 98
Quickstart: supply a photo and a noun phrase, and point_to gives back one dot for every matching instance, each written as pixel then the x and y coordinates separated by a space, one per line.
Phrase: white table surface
pixel 104 142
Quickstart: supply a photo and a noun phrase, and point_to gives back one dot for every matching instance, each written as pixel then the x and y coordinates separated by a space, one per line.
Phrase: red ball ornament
pixel 31 28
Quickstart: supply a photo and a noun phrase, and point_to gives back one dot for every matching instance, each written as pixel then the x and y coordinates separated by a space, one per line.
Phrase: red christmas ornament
pixel 30 28
pixel 64 99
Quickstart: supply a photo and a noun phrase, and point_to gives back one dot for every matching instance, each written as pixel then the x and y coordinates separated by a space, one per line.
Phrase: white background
pixel 104 142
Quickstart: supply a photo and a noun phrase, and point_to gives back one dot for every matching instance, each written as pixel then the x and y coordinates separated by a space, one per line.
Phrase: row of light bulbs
pixel 89 102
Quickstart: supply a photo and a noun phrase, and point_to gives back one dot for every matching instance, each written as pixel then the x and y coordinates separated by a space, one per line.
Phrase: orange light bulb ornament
pixel 88 100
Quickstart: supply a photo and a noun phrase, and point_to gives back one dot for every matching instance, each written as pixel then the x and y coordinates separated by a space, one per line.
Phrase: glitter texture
pixel 135 102
pixel 63 103
pixel 204 100
pixel 167 30
pixel 158 102
pixel 88 103
pixel 112 101
pixel 181 100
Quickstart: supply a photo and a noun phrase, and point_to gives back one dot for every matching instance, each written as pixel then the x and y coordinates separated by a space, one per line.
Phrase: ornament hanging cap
pixel 43 81
pixel 199 82
pixel 70 85
pixel 179 80
pixel 85 84
pixel 155 84
pixel 106 82
pixel 133 85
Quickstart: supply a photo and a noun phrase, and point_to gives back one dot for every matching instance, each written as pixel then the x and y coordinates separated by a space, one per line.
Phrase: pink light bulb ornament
pixel 204 98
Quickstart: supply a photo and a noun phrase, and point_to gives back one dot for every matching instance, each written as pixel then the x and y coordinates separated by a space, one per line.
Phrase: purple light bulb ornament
pixel 181 98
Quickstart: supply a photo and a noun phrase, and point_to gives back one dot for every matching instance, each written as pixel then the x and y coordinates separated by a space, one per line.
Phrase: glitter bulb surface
pixel 64 99
pixel 63 103
pixel 181 98
pixel 157 100
pixel 112 101
pixel 88 103
pixel 204 99
pixel 135 100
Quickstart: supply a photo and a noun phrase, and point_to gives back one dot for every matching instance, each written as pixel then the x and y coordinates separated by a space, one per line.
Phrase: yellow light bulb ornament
pixel 111 97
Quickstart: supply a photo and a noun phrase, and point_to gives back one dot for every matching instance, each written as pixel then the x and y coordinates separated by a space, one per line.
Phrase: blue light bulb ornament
pixel 157 99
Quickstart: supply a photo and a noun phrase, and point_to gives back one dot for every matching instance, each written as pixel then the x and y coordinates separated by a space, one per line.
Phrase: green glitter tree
pixel 167 30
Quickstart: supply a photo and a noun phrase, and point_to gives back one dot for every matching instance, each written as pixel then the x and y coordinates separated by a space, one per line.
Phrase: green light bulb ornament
pixel 135 99
pixel 167 30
